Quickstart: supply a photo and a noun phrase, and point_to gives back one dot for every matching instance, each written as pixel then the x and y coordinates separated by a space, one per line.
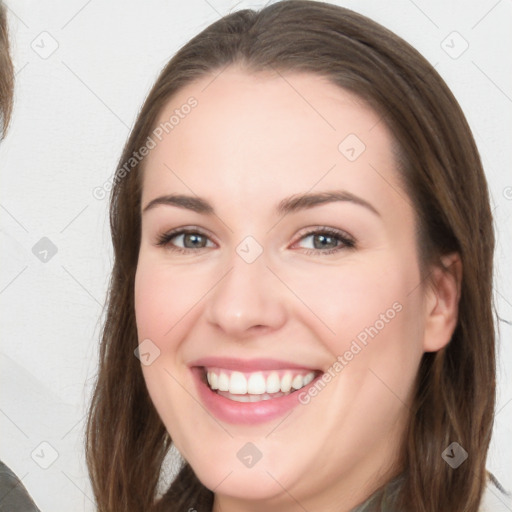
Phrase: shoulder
pixel 13 495
pixel 495 497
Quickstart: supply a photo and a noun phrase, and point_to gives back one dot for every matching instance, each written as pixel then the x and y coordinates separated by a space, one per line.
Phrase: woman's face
pixel 299 262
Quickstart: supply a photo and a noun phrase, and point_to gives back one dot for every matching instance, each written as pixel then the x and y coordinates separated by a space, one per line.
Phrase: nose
pixel 249 299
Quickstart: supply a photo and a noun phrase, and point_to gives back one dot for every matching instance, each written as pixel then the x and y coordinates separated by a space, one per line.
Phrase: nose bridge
pixel 248 295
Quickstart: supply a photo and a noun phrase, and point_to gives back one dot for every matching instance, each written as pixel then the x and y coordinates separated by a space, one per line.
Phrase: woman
pixel 303 264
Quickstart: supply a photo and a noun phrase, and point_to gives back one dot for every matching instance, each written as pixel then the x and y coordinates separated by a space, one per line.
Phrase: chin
pixel 253 484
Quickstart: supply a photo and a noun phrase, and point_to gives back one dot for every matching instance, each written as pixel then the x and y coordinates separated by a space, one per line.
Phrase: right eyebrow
pixel 195 204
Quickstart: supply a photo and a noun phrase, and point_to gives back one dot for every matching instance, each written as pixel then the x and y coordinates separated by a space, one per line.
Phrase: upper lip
pixel 247 365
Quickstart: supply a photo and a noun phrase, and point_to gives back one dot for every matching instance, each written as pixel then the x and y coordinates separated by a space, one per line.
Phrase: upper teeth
pixel 258 383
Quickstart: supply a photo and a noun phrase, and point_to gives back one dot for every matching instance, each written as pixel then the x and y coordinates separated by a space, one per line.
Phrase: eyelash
pixel 346 242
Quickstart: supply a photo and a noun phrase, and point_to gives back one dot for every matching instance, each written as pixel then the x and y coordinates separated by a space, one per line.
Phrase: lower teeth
pixel 251 398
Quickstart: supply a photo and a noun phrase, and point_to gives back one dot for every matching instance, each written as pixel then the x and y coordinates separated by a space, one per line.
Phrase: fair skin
pixel 251 142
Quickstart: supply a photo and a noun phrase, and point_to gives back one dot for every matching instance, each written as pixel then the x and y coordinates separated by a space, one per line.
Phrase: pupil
pixel 324 241
pixel 193 239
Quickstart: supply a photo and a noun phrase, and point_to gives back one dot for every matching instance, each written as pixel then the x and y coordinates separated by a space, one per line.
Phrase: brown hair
pixel 443 175
pixel 6 74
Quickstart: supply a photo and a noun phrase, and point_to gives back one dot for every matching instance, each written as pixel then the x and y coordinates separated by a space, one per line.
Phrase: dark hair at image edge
pixel 443 176
pixel 6 74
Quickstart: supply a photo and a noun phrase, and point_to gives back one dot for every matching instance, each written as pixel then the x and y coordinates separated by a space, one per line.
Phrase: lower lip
pixel 246 413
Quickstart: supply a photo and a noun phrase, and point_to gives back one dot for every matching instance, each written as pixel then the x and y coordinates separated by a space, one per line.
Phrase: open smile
pixel 235 394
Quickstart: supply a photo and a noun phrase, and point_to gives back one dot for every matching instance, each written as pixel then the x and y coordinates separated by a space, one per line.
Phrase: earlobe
pixel 442 302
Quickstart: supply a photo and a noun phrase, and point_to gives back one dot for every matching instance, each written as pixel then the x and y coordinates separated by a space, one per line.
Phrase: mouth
pixel 248 392
pixel 256 386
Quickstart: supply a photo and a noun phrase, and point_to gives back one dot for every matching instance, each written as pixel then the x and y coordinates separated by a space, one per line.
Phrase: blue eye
pixel 190 238
pixel 324 241
pixel 327 241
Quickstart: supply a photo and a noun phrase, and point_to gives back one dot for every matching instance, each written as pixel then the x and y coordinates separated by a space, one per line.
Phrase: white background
pixel 73 113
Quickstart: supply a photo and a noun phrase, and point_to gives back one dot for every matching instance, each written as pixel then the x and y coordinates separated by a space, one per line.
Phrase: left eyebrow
pixel 288 205
pixel 304 201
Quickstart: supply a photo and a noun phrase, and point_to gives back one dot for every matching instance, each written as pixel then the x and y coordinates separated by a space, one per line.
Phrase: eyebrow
pixel 288 205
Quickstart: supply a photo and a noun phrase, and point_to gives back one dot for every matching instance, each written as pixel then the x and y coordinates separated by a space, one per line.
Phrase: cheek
pixel 356 295
pixel 161 309
pixel 163 297
pixel 149 304
pixel 371 324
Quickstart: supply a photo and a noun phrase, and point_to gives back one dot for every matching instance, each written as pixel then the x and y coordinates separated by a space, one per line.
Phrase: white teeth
pixel 241 398
pixel 257 385
pixel 251 398
pixel 286 382
pixel 308 378
pixel 297 382
pixel 213 379
pixel 238 384
pixel 223 382
pixel 273 383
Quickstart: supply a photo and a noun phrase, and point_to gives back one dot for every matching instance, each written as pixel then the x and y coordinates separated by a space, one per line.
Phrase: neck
pixel 353 494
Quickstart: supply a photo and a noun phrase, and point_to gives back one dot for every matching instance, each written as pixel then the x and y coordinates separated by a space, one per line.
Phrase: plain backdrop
pixel 83 69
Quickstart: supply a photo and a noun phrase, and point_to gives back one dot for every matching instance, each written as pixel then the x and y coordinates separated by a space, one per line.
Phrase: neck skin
pixel 377 469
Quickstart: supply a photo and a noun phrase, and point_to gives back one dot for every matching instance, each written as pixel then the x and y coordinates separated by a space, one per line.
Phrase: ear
pixel 442 302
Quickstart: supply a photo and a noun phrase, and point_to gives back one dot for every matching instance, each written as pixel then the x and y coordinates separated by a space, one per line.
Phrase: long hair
pixel 442 173
pixel 6 74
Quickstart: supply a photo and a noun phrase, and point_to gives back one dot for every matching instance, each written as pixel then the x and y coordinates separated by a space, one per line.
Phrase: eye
pixel 184 240
pixel 323 241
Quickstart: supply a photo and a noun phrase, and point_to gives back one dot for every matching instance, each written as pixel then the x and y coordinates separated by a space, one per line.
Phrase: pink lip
pixel 246 365
pixel 245 413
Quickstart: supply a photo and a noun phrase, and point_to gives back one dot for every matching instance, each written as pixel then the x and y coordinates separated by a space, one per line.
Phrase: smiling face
pixel 298 268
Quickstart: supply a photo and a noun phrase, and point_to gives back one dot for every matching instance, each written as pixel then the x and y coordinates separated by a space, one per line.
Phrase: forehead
pixel 266 135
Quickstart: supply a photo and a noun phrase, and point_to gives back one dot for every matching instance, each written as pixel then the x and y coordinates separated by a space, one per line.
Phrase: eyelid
pixel 311 230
